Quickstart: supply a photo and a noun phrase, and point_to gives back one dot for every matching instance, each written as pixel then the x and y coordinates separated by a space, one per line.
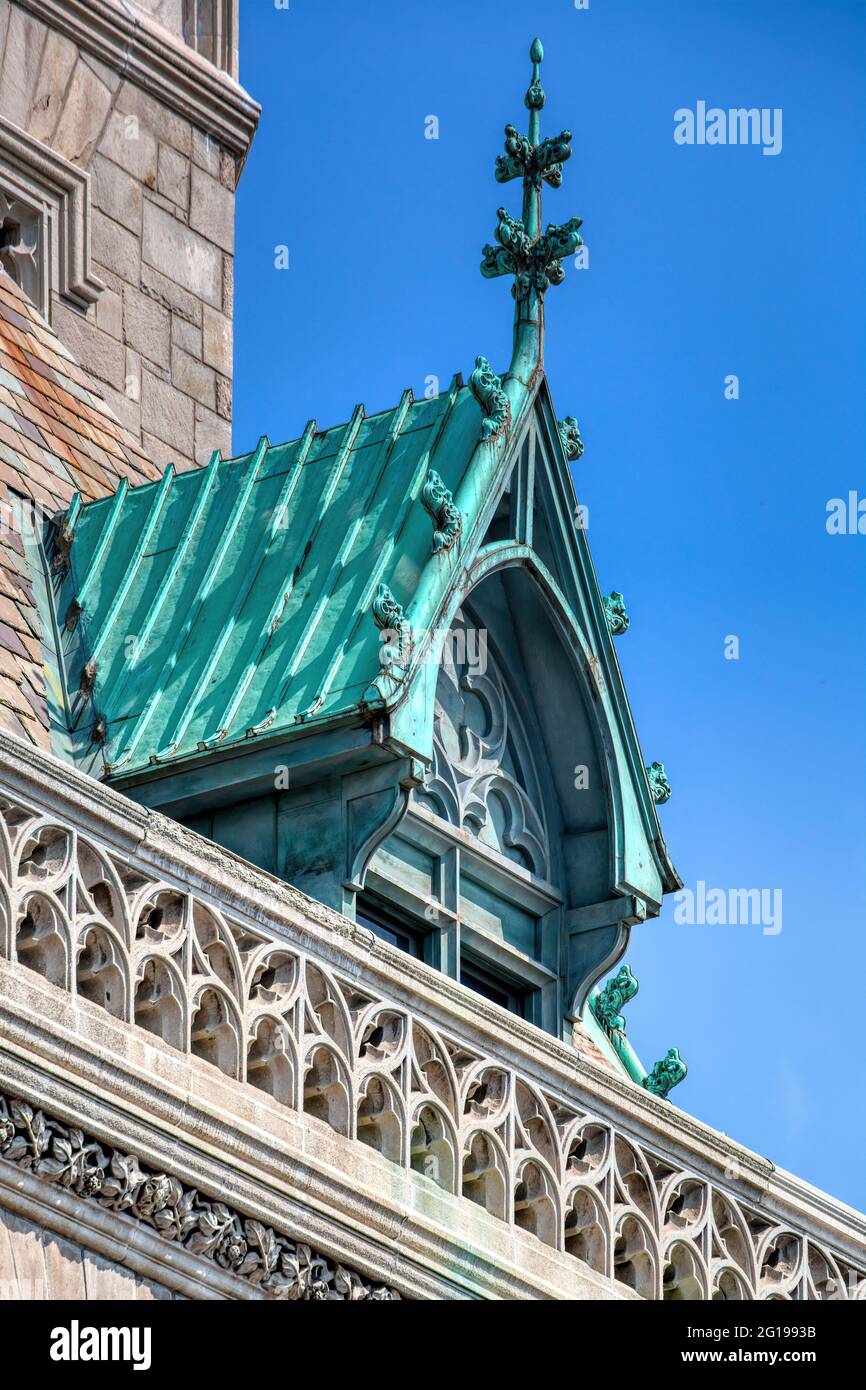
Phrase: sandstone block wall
pixel 37 1264
pixel 159 339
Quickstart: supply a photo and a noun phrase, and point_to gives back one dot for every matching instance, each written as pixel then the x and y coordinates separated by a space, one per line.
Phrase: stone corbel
pixel 331 830
pixel 596 938
pixel 374 802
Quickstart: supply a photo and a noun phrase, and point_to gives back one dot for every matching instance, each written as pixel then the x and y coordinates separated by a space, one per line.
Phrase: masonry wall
pixel 168 13
pixel 159 338
pixel 37 1264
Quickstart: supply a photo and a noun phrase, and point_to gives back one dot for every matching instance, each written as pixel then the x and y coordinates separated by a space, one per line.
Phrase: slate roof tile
pixel 57 437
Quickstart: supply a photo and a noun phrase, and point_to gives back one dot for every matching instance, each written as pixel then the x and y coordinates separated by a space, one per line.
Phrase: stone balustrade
pixel 214 966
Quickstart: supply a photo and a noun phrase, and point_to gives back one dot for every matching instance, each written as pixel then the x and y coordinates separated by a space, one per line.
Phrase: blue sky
pixel 708 514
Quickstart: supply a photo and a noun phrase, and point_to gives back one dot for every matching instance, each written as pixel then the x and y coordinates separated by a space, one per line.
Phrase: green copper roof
pixel 250 598
pixel 238 600
pixel 298 599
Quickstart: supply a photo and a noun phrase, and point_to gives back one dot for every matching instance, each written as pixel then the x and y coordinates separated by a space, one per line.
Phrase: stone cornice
pixel 146 54
pixel 96 808
pixel 298 1178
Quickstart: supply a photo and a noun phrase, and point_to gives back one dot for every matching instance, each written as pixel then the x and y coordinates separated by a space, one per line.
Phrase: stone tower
pixel 123 132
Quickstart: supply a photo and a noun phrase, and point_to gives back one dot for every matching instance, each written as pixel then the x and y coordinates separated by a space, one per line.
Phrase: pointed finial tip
pixel 536 52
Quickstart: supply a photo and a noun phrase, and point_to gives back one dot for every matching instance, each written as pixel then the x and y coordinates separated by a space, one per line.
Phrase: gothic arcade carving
pixel 155 954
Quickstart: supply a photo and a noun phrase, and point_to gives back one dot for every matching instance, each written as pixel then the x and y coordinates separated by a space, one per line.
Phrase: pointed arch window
pixel 483 778
pixel 22 247
pixel 45 215
pixel 471 872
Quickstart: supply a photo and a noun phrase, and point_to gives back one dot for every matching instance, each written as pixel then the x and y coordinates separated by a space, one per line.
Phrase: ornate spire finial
pixel 535 97
pixel 532 257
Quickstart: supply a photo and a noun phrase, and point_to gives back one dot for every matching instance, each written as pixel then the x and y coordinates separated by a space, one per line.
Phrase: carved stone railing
pixel 168 935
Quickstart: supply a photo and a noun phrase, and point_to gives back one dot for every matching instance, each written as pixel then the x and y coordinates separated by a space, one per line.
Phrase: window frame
pixel 519 996
pixel 381 919
pixel 460 927
pixel 450 935
pixel 223 36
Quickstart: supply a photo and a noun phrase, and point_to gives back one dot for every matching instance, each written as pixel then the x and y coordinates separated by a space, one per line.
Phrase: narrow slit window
pixel 207 27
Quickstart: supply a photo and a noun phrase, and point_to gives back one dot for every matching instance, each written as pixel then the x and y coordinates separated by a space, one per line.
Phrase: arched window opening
pixel 20 251
pixel 472 879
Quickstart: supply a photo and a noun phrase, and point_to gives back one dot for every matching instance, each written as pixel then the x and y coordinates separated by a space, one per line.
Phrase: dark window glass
pixel 493 987
pixel 404 935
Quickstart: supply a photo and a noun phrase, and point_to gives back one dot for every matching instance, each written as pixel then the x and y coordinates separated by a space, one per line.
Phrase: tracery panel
pixel 312 1038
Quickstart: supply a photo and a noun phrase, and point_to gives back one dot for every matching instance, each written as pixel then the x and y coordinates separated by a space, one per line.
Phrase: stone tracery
pixel 482 777
pixel 268 1014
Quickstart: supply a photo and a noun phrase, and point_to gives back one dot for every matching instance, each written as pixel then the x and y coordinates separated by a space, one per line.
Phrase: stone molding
pixel 202 1227
pixel 344 1032
pixel 129 1245
pixel 287 1170
pixel 146 54
pixel 58 194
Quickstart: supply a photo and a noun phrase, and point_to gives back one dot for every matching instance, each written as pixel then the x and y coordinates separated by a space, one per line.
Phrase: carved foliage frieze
pixel 277 1266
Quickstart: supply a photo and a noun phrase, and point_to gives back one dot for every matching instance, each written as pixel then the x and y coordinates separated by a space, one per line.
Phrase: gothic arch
pixel 547 603
pixel 528 759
